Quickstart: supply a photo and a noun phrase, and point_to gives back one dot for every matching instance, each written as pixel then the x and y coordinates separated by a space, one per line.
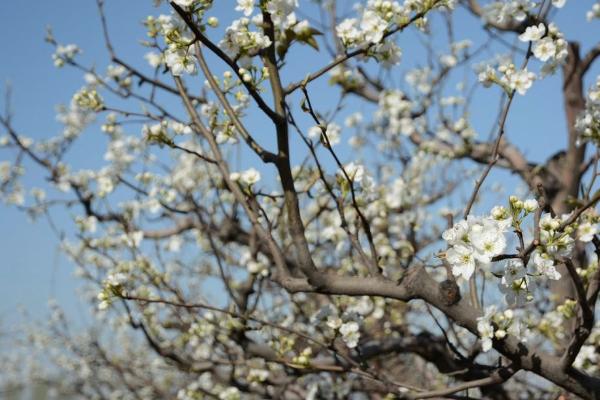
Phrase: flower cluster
pixel 240 41
pixel 474 241
pixel 178 56
pixel 588 122
pixel 113 285
pixel 510 78
pixel 246 178
pixel 332 130
pixel 358 175
pixel 347 325
pixel 548 45
pixel 350 333
pixel 508 11
pixel 74 119
pixel 257 265
pixel 180 61
pixel 376 19
pixel 88 99
pixel 282 12
pixel 554 241
pixel 394 113
pixel 594 13
pixel 369 29
pixel 65 54
pixel 516 284
pixel 495 325
pixel 387 52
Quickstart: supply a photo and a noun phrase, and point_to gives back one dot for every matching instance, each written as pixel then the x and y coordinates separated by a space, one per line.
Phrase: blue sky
pixel 31 268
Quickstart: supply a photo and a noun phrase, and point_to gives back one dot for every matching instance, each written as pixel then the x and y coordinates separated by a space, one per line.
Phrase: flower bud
pixel 213 22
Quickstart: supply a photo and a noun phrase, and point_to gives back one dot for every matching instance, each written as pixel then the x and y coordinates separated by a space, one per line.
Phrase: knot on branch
pixel 449 292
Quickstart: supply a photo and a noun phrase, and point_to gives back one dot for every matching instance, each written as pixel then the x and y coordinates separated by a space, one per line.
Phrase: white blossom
pixel 350 333
pixel 180 61
pixel 184 3
pixel 372 26
pixel 485 328
pixel 462 260
pixel 544 265
pixel 231 393
pixel 530 205
pixel 332 130
pixel 594 12
pixel 154 59
pixel 533 33
pixel 248 177
pixel 245 6
pixel 544 49
pixel 586 231
pixel 521 80
pixel 474 240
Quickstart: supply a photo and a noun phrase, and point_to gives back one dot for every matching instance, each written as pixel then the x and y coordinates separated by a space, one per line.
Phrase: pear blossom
pixel 544 49
pixel 245 6
pixel 594 12
pixel 586 231
pixel 497 325
pixel 332 130
pixel 559 3
pixel 88 99
pixel 65 54
pixel 231 393
pixel 518 9
pixel 372 26
pixel 554 242
pixel 514 270
pixel 239 40
pixel 348 32
pixel 485 329
pixel 488 242
pixel 518 291
pixel 105 185
pixel 248 177
pixel 282 13
pixel 587 358
pixel 184 3
pixel 116 279
pixel 487 77
pixel 357 173
pixel 502 216
pixel 87 224
pixel 476 240
pixel 213 22
pixel 387 53
pixel 154 59
pixel 179 62
pixel 350 333
pixel 132 239
pixel 334 322
pixel 530 205
pixel 521 81
pixel 462 259
pixel 174 244
pixel 515 283
pixel 544 265
pixel 533 33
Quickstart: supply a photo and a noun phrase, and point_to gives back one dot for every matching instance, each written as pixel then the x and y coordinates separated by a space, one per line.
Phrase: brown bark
pixel 564 171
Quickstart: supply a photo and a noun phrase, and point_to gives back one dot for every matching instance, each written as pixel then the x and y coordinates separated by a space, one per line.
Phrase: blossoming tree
pixel 325 264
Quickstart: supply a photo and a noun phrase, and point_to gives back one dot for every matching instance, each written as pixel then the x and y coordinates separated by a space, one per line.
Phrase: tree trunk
pixel 566 169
